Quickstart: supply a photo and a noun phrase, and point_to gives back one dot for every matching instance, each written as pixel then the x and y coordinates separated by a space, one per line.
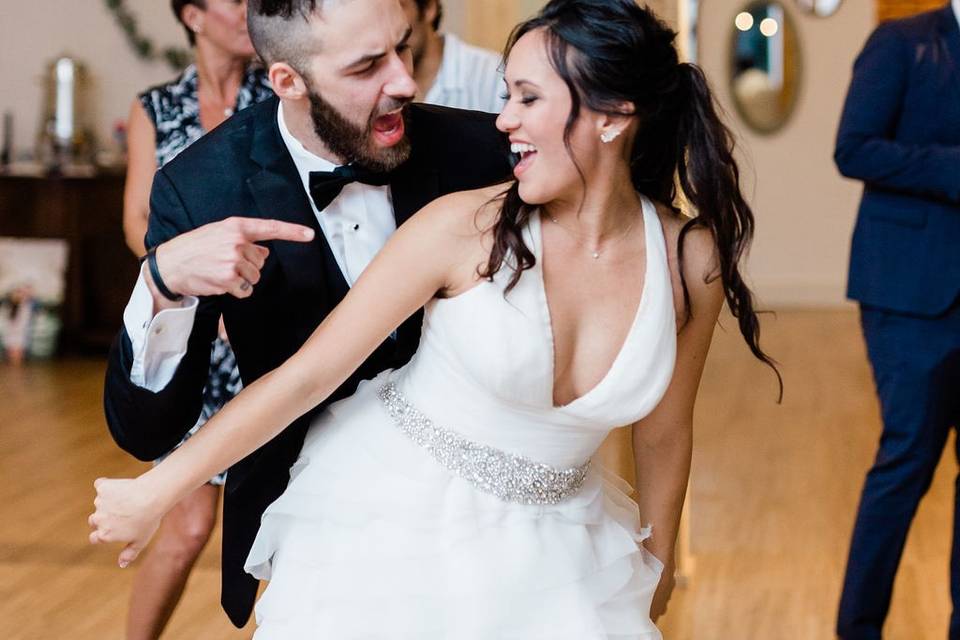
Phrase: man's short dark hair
pixel 279 30
pixel 177 7
pixel 422 4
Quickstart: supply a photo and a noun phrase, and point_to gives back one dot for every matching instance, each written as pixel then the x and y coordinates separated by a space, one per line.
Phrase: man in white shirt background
pixel 448 71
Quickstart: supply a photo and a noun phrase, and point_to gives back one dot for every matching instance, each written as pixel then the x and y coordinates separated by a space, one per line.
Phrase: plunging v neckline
pixel 549 316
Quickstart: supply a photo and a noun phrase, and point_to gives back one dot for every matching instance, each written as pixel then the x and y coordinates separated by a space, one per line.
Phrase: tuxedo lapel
pixel 279 194
pixel 412 187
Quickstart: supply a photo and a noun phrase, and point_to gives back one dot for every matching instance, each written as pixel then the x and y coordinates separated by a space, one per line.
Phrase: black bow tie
pixel 326 185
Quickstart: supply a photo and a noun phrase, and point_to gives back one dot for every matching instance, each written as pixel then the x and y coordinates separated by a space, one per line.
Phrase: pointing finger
pixel 255 230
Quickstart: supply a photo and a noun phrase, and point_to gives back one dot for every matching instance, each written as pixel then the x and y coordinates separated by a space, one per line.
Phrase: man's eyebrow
pixel 405 37
pixel 373 57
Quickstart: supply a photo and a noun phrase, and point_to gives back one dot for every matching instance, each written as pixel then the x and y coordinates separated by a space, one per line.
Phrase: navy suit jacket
pixel 900 135
pixel 243 168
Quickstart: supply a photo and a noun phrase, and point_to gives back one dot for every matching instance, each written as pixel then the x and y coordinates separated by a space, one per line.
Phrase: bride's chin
pixel 532 194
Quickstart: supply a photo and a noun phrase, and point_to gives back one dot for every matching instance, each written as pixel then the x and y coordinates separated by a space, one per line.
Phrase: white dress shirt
pixel 356 225
pixel 956 10
pixel 469 78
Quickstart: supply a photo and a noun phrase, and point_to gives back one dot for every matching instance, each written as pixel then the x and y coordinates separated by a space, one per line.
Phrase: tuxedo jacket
pixel 900 135
pixel 242 168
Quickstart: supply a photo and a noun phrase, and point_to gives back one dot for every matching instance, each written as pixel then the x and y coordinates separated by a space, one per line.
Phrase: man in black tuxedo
pixel 269 219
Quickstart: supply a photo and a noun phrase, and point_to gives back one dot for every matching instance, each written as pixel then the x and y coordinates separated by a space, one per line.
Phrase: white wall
pixel 805 210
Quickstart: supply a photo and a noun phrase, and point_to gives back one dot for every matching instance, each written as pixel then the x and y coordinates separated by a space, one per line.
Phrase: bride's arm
pixel 424 256
pixel 663 441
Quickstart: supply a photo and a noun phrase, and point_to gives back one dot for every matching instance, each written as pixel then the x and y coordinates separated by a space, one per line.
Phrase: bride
pixel 454 497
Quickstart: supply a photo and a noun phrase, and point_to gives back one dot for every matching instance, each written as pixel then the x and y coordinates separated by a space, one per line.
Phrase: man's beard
pixel 353 142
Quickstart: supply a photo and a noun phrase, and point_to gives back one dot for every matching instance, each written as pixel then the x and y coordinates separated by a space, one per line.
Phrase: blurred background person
pixel 900 135
pixel 163 121
pixel 448 71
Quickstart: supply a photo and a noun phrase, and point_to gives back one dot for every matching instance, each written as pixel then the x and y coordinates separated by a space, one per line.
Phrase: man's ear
pixel 286 81
pixel 430 12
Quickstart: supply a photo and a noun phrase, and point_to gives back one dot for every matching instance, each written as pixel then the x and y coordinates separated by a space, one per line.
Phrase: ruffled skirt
pixel 375 539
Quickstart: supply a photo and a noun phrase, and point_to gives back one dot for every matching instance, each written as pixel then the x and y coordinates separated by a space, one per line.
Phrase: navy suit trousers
pixel 916 367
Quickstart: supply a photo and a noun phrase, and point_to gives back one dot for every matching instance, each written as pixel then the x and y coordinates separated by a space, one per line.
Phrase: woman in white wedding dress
pixel 454 498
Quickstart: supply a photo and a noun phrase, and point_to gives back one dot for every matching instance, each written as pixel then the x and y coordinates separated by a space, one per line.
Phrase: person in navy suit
pixel 900 135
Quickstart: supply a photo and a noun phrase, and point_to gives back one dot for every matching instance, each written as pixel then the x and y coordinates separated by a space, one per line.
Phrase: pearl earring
pixel 609 136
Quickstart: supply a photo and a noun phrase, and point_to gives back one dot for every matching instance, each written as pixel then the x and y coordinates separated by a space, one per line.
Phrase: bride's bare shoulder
pixel 463 217
pixel 454 232
pixel 465 210
pixel 701 264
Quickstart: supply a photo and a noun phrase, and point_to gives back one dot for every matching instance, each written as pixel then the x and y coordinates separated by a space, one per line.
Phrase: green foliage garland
pixel 177 58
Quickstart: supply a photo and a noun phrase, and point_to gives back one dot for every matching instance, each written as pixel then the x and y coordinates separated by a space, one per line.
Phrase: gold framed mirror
pixel 765 65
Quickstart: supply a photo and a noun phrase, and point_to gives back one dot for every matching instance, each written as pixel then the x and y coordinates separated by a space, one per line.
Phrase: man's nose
pixel 401 83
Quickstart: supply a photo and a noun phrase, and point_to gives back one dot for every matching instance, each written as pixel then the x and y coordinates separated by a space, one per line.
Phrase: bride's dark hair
pixel 613 52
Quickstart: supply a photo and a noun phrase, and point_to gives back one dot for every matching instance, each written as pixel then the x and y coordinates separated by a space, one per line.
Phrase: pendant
pixel 596 255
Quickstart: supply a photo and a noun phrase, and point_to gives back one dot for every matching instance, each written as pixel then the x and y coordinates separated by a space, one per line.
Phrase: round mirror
pixel 765 65
pixel 820 8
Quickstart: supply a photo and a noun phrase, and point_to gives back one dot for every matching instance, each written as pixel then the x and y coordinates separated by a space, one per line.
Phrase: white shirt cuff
pixel 158 342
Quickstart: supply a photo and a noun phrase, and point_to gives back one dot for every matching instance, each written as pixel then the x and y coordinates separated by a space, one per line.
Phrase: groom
pixel 304 229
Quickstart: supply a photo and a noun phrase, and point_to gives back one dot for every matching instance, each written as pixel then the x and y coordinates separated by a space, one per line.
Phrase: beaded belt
pixel 510 477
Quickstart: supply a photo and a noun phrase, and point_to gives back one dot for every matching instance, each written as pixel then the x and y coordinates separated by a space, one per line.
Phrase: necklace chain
pixel 595 253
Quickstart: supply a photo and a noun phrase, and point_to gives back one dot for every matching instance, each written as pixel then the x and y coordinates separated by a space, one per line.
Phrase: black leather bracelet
pixel 157 280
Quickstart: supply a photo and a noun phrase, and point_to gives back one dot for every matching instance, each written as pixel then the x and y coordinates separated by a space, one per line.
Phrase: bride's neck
pixel 607 207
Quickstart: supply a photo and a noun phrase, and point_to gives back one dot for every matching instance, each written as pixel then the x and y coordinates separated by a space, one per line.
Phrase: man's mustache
pixel 392 105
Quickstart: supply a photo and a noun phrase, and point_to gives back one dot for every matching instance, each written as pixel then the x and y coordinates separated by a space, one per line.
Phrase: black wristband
pixel 157 280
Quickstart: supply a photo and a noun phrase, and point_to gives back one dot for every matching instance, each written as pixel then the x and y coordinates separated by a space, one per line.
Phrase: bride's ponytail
pixel 710 181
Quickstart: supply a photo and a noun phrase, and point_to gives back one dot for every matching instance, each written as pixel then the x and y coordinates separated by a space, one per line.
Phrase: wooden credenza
pixel 86 212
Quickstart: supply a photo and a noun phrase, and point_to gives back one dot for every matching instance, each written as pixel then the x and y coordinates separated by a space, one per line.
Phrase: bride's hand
pixel 125 512
pixel 661 596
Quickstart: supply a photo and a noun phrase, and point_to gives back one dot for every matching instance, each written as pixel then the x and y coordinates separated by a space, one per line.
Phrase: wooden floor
pixel 773 494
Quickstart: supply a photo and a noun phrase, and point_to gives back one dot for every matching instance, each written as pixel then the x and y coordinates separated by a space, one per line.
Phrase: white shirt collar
pixel 956 10
pixel 304 159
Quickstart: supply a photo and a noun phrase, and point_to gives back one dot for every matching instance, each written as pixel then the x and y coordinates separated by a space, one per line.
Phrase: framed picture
pixel 31 296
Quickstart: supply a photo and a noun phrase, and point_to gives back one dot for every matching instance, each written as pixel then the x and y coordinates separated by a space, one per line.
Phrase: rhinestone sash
pixel 508 476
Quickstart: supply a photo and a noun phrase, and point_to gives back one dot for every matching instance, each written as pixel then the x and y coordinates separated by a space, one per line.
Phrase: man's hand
pixel 221 257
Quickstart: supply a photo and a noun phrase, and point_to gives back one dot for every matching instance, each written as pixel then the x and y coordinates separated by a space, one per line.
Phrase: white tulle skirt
pixel 374 539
